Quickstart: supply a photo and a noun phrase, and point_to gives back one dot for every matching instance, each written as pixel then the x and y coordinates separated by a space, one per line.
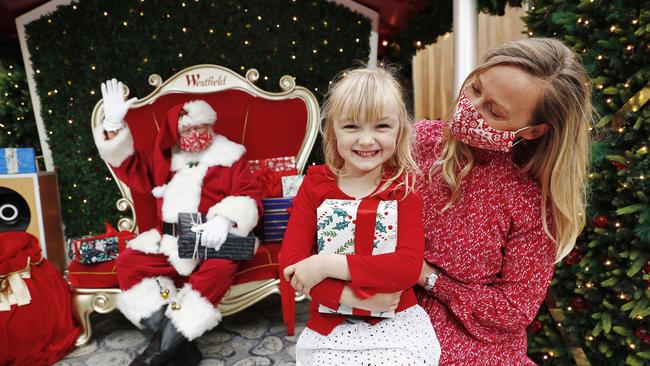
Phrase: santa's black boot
pixel 153 322
pixel 188 354
pixel 168 344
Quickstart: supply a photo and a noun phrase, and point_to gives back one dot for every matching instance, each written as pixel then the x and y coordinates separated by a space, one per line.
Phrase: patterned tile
pixel 254 337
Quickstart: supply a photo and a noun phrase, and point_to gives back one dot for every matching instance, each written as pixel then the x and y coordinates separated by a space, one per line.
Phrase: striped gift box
pixel 17 160
pixel 275 217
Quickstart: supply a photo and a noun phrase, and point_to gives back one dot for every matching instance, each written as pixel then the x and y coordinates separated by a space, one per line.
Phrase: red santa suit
pixel 215 181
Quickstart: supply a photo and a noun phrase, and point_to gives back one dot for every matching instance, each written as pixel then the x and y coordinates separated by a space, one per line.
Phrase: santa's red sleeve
pixel 131 166
pixel 243 205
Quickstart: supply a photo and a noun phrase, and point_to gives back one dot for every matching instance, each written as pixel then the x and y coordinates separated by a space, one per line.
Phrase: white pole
pixel 465 40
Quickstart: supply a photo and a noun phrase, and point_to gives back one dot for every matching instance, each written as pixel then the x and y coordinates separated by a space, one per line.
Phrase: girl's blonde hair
pixel 360 95
pixel 559 160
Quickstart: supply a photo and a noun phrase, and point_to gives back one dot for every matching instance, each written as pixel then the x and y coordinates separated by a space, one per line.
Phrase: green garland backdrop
pixel 80 45
pixel 603 285
pixel 17 123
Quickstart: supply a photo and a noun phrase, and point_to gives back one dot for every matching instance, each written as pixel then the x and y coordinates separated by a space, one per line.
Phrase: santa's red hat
pixel 192 113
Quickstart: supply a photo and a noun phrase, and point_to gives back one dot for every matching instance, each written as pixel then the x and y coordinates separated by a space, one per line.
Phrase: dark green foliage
pixel 17 125
pixel 608 273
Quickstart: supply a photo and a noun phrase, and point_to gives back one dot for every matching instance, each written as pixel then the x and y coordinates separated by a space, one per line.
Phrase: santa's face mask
pixel 195 140
pixel 468 126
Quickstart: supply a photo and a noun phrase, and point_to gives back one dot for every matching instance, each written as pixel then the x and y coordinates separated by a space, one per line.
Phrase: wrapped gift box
pixel 291 184
pixel 275 217
pixel 17 160
pixel 269 172
pixel 366 226
pixel 98 248
pixel 88 250
pixel 285 165
pixel 189 241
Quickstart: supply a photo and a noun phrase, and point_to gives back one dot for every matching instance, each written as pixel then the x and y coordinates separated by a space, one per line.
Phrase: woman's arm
pixel 501 310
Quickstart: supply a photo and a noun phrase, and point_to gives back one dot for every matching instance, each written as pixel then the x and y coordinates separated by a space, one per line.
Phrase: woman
pixel 504 197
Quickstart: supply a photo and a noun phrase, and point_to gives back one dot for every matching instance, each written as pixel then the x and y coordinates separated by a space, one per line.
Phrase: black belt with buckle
pixel 169 228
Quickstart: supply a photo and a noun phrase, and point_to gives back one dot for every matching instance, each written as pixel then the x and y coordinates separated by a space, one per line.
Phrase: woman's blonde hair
pixel 360 95
pixel 559 160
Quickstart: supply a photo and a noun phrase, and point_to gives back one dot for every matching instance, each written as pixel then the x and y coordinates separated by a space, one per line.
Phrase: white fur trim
pixel 115 150
pixel 169 247
pixel 147 242
pixel 242 210
pixel 221 152
pixel 144 299
pixel 196 315
pixel 159 191
pixel 199 112
pixel 183 192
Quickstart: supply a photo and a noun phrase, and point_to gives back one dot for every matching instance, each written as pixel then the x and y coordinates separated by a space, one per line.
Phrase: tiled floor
pixel 255 336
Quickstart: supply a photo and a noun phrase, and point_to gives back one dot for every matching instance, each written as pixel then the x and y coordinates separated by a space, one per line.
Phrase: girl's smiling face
pixel 366 146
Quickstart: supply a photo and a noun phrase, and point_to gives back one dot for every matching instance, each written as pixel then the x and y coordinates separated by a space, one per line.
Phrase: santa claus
pixel 191 169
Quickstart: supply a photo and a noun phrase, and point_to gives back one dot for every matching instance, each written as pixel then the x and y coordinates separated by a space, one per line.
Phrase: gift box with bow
pixel 189 241
pixel 269 172
pixel 364 227
pixel 98 248
pixel 17 160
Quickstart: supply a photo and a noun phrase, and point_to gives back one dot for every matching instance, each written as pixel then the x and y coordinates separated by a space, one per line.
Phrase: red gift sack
pixel 36 326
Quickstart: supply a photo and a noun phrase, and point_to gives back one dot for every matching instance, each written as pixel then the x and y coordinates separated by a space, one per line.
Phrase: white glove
pixel 115 107
pixel 215 232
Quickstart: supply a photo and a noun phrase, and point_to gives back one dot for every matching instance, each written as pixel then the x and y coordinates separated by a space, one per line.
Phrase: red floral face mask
pixel 195 141
pixel 468 126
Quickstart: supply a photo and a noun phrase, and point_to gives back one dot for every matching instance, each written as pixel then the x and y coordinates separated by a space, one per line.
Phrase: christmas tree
pixel 603 285
pixel 17 124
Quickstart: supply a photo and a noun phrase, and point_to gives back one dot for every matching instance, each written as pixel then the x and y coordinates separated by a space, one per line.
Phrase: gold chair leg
pixel 81 310
pixel 87 301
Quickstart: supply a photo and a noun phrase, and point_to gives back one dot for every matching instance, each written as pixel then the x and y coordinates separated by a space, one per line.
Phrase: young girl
pixel 366 142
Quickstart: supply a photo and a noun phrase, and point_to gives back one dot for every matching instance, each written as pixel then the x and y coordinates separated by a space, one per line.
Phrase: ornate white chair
pixel 268 124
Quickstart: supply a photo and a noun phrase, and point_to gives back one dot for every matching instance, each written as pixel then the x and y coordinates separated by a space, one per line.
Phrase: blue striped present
pixel 17 160
pixel 275 217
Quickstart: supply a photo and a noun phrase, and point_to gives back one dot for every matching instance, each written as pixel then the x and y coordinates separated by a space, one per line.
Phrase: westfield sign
pixel 195 80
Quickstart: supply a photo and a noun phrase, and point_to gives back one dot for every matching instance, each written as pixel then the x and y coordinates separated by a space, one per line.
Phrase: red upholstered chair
pixel 268 124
